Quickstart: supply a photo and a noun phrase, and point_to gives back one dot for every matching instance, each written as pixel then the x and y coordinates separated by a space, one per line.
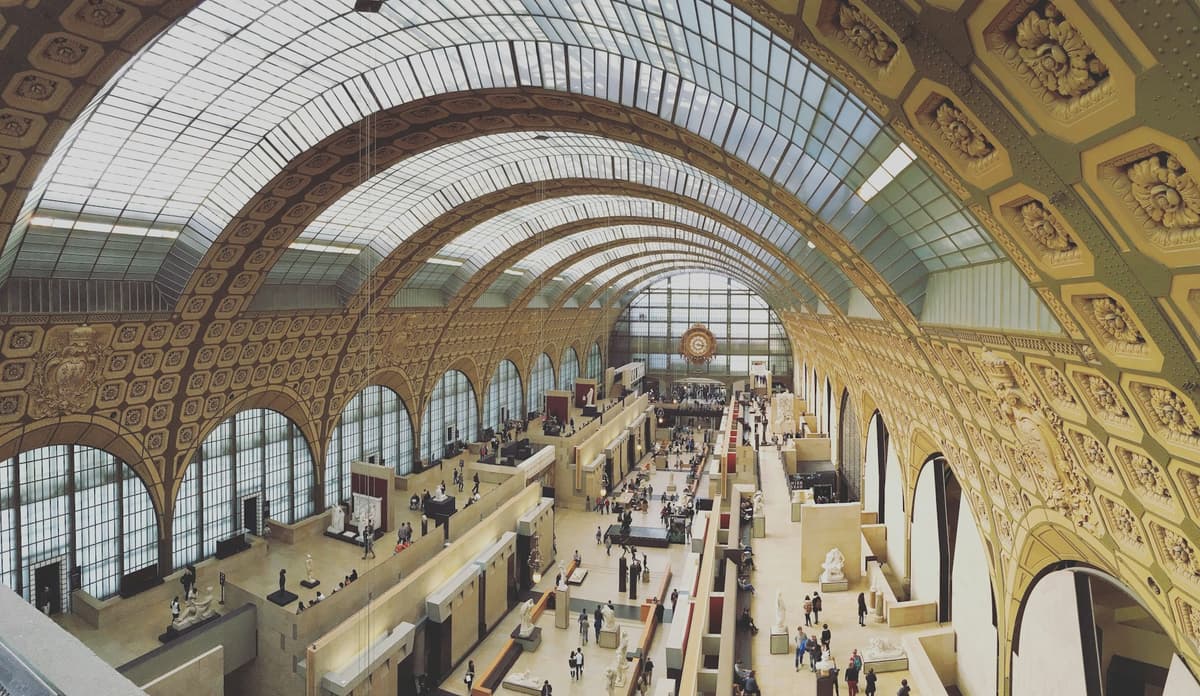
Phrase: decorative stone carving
pixel 1170 412
pixel 864 36
pixel 1145 476
pixel 882 649
pixel 1113 321
pixel 1056 56
pixel 957 131
pixel 1123 522
pixel 1165 192
pixel 1103 398
pixel 1189 620
pixel 1177 552
pixel 1095 457
pixel 1041 226
pixel 65 378
pixel 833 566
pixel 1072 499
pixel 1056 385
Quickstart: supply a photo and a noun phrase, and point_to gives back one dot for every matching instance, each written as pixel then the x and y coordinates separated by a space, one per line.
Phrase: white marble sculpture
pixel 439 493
pixel 337 520
pixel 759 509
pixel 834 566
pixel 526 629
pixel 608 619
pixel 590 400
pixel 620 665
pixel 524 679
pixel 308 567
pixel 883 649
pixel 198 609
pixel 780 614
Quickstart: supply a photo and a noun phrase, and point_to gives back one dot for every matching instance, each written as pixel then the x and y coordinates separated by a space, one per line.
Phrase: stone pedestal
pixel 779 643
pixel 840 586
pixel 879 609
pixel 895 664
pixel 562 607
pixel 760 527
pixel 607 639
pixel 529 643
pixel 872 596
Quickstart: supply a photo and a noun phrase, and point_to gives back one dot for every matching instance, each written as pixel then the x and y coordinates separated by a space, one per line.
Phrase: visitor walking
pixel 814 654
pixel 599 536
pixel 826 634
pixel 583 625
pixel 579 663
pixel 547 690
pixel 871 682
pixel 801 645
pixel 904 689
pixel 571 665
pixel 862 609
pixel 852 679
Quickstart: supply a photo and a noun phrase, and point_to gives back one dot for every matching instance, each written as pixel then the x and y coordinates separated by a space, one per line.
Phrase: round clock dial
pixel 698 345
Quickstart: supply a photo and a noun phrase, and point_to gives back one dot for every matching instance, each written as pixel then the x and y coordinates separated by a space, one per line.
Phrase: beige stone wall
pixel 202 676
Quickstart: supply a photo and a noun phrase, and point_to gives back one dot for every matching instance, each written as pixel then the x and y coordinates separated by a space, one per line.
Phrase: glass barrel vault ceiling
pixel 194 126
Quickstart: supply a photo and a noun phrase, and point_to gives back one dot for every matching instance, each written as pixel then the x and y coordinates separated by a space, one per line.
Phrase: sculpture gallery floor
pixel 332 561
pixel 778 567
pixel 576 529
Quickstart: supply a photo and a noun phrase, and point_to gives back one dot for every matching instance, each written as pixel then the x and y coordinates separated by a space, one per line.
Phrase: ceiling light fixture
pixel 810 245
pixel 323 248
pixel 367 5
pixel 444 262
pixel 46 221
pixel 512 272
pixel 895 163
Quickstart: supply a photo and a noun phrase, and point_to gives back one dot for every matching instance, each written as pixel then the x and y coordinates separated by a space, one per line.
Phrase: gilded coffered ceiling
pixel 754 138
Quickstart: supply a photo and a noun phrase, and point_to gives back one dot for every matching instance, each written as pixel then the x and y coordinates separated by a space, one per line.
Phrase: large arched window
pixel 595 364
pixel 253 466
pixel 450 415
pixel 568 368
pixel 746 328
pixel 374 423
pixel 503 398
pixel 541 378
pixel 73 506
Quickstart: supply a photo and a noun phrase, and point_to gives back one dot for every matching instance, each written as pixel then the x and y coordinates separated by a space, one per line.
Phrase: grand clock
pixel 698 345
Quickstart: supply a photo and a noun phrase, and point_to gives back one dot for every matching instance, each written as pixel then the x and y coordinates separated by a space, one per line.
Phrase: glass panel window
pixel 541 378
pixel 568 369
pixel 451 416
pixel 504 397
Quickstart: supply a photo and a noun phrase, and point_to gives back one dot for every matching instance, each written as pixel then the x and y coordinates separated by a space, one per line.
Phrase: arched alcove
pixel 541 379
pixel 849 451
pixel 451 416
pixel 875 467
pixel 935 513
pixel 504 398
pixel 374 423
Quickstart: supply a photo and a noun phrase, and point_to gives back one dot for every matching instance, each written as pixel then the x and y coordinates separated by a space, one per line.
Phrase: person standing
pixel 368 535
pixel 599 536
pixel 583 625
pixel 862 609
pixel 801 645
pixel 571 665
pixel 174 609
pixel 904 689
pixel 469 677
pixel 674 601
pixel 871 682
pixel 808 607
pixel 816 605
pixel 814 654
pixel 608 544
pixel 833 675
pixel 598 622
pixel 547 690
pixel 852 679
pixel 826 635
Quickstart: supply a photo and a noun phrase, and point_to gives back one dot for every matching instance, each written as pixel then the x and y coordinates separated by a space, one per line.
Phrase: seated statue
pixel 883 649
pixel 197 610
pixel 834 566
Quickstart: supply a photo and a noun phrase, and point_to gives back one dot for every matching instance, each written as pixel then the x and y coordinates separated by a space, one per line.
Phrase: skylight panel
pixel 891 167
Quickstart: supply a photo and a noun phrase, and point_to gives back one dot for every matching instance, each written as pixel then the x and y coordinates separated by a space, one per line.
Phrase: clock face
pixel 698 345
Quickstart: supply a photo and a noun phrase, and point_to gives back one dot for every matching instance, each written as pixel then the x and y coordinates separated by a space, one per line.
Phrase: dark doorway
pixel 48 583
pixel 250 514
pixel 406 684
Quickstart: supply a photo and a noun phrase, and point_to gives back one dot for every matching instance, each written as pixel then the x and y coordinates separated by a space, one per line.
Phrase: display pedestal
pixel 562 607
pixel 523 686
pixel 577 576
pixel 607 639
pixel 779 643
pixel 840 586
pixel 529 643
pixel 310 585
pixel 895 664
pixel 760 527
pixel 283 597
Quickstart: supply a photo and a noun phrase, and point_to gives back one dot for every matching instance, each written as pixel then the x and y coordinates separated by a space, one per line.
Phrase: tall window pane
pixel 568 369
pixel 451 414
pixel 541 378
pixel 97 521
pixel 595 368
pixel 140 529
pixel 504 393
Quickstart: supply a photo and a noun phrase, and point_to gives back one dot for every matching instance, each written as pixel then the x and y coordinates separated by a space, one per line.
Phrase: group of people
pixel 320 596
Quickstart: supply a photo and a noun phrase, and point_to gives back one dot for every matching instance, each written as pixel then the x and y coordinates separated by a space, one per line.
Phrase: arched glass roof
pixel 202 119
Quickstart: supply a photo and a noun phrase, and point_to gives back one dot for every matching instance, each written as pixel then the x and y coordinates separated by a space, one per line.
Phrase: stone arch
pixel 931 574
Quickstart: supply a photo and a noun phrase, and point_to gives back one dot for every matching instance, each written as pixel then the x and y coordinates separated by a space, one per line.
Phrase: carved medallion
pixel 65 378
pixel 1057 55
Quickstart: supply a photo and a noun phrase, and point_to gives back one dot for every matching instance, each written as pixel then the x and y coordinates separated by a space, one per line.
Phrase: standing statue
pixel 590 400
pixel 620 663
pixel 608 619
pixel 834 566
pixel 308 567
pixel 759 508
pixel 282 579
pixel 526 628
pixel 780 614
pixel 337 520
